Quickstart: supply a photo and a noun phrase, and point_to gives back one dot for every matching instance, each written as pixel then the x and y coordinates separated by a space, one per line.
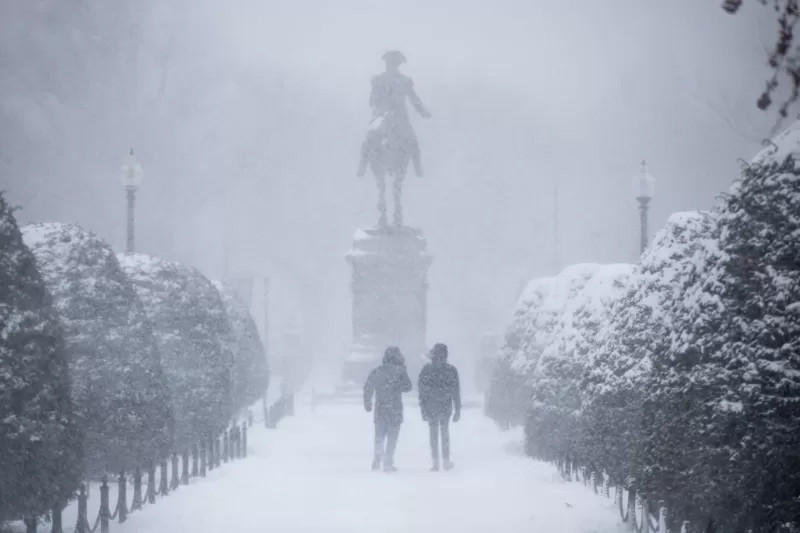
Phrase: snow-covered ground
pixel 312 475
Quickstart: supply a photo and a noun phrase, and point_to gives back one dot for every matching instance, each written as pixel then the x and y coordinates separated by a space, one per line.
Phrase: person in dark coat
pixel 387 383
pixel 439 399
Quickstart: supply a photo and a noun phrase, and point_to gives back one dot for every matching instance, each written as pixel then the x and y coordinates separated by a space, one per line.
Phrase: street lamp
pixel 643 184
pixel 131 177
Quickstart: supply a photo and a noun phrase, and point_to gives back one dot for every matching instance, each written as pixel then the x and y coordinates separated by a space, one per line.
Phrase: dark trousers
pixel 436 426
pixel 386 435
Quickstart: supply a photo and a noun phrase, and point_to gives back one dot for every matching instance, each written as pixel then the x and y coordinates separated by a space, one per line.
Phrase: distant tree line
pixel 680 377
pixel 108 362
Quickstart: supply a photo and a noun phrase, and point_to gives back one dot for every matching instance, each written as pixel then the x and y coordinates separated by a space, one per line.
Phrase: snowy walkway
pixel 312 475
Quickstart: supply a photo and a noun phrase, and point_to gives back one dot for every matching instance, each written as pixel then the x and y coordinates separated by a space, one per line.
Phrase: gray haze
pixel 248 116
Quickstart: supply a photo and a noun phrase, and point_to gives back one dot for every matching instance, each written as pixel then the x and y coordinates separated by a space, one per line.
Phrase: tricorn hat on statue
pixel 394 56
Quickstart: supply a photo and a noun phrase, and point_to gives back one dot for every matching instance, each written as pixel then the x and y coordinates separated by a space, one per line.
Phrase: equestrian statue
pixel 390 143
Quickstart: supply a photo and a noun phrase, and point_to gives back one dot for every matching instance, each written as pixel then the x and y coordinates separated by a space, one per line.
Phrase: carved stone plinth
pixel 389 289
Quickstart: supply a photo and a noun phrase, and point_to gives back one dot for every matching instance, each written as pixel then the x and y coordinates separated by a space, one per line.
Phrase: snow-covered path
pixel 312 475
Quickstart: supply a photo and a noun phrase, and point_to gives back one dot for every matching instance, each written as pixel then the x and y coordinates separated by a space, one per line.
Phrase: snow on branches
pixel 118 383
pixel 193 334
pixel 39 437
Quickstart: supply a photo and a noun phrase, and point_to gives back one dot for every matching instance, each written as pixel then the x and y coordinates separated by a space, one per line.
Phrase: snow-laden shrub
pixel 193 334
pixel 639 326
pixel 723 442
pixel 571 319
pixel 117 380
pixel 250 373
pixel 508 396
pixel 40 445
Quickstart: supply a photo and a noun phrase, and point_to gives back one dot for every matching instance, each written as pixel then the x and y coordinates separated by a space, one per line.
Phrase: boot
pixel 362 167
pixel 417 165
pixel 389 468
pixel 448 464
pixel 376 464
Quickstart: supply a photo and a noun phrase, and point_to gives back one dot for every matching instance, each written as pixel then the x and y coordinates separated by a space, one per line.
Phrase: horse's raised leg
pixel 397 191
pixel 380 179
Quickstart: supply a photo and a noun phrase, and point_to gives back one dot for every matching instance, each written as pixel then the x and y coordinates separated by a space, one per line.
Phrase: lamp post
pixel 643 183
pixel 131 177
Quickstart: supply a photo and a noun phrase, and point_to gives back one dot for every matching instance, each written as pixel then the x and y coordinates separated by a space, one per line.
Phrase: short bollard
pixel 202 459
pixel 185 473
pixel 164 488
pixel 210 463
pixel 151 483
pixel 122 495
pixel 80 526
pixel 105 511
pixel 195 458
pixel 55 518
pixel 137 490
pixel 174 483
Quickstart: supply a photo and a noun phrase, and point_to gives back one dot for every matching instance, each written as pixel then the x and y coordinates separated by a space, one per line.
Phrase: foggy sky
pixel 248 115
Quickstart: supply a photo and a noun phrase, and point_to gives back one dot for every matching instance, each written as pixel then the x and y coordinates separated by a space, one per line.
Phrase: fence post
pixel 56 520
pixel 80 527
pixel 105 512
pixel 210 448
pixel 151 483
pixel 164 489
pixel 122 497
pixel 194 460
pixel 225 442
pixel 244 441
pixel 30 524
pixel 662 517
pixel 249 418
pixel 685 527
pixel 174 484
pixel 185 460
pixel 137 490
pixel 632 509
pixel 202 458
pixel 217 452
pixel 645 516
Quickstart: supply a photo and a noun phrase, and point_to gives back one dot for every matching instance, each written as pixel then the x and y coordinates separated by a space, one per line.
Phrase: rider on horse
pixel 390 117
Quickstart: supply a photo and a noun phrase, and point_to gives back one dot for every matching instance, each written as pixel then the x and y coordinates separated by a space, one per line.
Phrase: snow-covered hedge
pixel 250 374
pixel 508 396
pixel 687 387
pixel 193 334
pixel 571 320
pixel 639 326
pixel 117 380
pixel 40 444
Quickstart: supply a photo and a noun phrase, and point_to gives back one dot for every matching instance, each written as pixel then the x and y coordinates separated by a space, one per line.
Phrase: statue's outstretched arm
pixel 417 103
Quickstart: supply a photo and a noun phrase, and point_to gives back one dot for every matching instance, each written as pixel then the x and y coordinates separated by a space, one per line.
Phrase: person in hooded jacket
pixel 387 383
pixel 439 399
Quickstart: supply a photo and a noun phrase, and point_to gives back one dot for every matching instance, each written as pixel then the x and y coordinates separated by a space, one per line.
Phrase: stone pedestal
pixel 389 289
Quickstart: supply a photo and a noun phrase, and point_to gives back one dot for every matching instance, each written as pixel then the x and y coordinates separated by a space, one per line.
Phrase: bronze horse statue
pixel 391 143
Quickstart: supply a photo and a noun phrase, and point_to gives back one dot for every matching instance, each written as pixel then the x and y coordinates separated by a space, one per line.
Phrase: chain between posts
pixel 190 463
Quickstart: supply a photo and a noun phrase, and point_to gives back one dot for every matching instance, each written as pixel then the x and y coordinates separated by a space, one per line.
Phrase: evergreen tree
pixel 250 373
pixel 194 337
pixel 118 382
pixel 40 445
